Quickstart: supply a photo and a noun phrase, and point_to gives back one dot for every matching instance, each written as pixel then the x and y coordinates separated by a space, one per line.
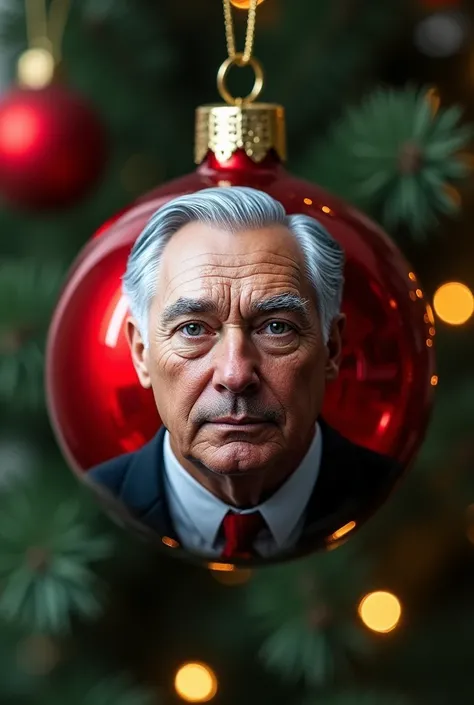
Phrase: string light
pixel 380 611
pixel 453 303
pixel 195 683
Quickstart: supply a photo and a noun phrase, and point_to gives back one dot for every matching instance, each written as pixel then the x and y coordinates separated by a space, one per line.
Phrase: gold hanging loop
pixel 238 60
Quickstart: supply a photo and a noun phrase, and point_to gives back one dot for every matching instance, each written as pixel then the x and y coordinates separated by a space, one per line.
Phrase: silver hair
pixel 233 209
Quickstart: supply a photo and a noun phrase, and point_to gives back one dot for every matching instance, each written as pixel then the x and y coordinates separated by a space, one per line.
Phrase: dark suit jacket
pixel 352 482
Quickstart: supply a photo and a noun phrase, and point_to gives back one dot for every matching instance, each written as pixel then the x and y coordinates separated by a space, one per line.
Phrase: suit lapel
pixel 334 495
pixel 143 489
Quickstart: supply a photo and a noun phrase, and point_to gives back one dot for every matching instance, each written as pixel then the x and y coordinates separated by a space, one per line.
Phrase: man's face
pixel 217 356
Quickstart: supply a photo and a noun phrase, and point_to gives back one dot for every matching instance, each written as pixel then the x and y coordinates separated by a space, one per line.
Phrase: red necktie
pixel 240 531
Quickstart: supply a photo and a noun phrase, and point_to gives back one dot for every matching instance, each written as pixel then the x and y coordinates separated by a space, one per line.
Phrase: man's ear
pixel 138 352
pixel 334 347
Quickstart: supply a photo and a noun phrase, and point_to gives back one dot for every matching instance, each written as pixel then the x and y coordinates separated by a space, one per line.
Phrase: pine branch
pixel 85 690
pixel 28 292
pixel 46 547
pixel 398 156
pixel 307 614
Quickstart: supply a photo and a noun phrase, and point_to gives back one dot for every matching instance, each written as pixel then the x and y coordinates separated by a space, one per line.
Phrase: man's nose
pixel 236 362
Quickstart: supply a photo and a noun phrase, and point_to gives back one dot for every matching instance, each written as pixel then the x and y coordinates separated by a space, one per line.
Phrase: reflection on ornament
pixel 238 576
pixel 35 68
pixel 195 683
pixel 441 34
pixel 171 543
pixel 343 531
pixel 380 611
pixel 453 303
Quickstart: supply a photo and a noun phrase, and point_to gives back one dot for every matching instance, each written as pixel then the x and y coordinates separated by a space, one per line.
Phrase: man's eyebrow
pixel 184 306
pixel 287 302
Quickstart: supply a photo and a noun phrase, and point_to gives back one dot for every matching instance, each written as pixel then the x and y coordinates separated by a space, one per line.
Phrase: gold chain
pixel 45 27
pixel 58 17
pixel 250 33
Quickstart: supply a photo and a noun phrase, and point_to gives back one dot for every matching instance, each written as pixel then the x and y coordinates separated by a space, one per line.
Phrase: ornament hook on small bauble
pixel 239 61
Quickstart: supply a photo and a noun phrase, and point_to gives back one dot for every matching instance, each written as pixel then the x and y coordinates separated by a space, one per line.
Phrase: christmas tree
pixel 378 108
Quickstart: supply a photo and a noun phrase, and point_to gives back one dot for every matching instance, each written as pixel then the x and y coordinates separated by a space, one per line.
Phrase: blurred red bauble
pixel 383 395
pixel 52 147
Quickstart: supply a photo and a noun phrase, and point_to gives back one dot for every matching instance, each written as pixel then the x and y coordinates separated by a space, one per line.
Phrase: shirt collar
pixel 205 512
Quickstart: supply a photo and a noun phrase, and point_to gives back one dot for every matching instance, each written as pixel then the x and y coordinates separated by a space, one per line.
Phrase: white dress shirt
pixel 197 514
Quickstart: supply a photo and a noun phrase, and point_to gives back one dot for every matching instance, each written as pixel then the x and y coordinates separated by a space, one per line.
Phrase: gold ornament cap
pixel 255 128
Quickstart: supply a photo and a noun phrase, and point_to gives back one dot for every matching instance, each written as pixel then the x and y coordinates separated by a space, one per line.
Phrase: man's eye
pixel 192 330
pixel 278 327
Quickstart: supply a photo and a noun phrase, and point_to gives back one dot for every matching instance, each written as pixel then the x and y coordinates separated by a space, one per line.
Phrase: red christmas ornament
pixel 383 395
pixel 52 147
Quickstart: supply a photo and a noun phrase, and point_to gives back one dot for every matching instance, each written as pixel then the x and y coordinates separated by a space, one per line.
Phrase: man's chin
pixel 229 461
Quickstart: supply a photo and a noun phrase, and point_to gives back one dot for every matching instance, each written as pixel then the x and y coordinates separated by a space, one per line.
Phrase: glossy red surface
pixel 382 398
pixel 52 147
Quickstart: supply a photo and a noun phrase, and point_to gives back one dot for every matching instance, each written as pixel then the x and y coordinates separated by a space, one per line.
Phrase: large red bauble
pixel 52 147
pixel 382 397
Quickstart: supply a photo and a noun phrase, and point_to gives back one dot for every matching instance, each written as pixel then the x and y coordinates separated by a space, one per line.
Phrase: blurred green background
pixel 89 615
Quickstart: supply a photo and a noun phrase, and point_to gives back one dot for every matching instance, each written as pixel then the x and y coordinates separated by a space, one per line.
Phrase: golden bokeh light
pixel 434 380
pixel 307 201
pixel 35 68
pixel 243 4
pixel 453 303
pixel 380 611
pixel 327 210
pixel 195 683
pixel 412 276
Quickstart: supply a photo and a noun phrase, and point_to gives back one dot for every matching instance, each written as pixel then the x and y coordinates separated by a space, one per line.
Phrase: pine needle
pixel 28 293
pixel 301 610
pixel 110 690
pixel 46 548
pixel 399 157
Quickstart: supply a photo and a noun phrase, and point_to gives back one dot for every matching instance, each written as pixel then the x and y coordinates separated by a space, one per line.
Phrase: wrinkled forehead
pixel 199 252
